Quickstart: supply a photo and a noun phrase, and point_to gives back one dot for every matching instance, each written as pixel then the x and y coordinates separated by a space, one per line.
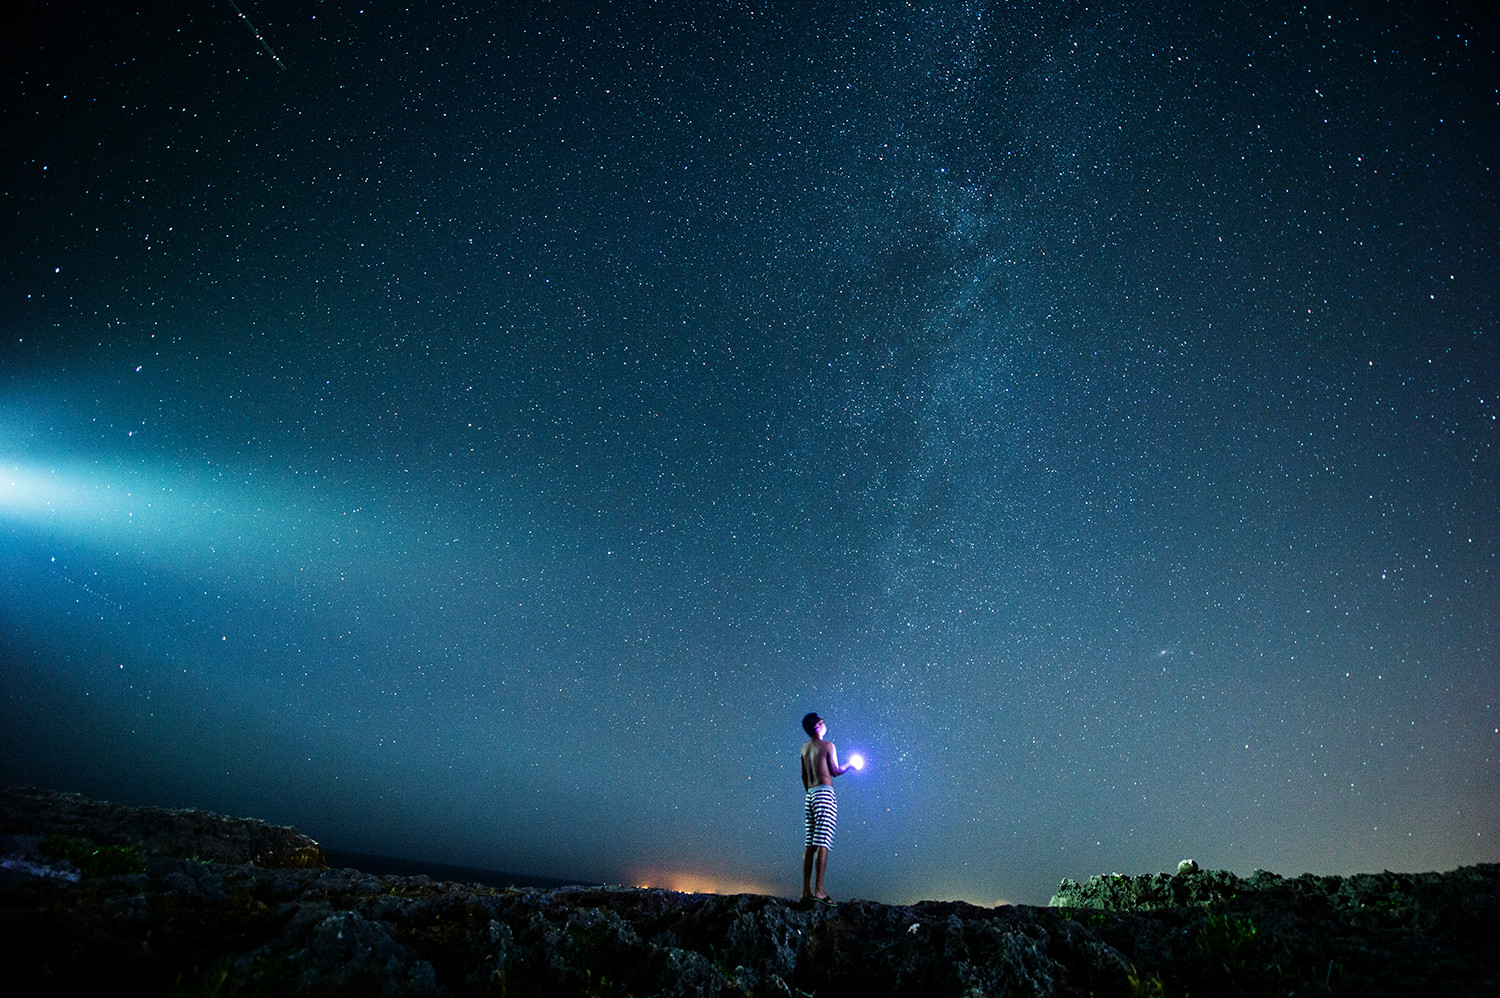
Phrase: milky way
pixel 480 436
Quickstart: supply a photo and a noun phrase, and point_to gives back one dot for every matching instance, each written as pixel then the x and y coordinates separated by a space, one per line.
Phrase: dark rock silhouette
pixel 250 923
pixel 156 831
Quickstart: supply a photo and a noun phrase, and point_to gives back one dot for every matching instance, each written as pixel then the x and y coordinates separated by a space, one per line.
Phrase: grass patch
pixel 94 860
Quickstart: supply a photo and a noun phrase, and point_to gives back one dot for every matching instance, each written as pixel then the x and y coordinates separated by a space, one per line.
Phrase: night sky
pixel 479 432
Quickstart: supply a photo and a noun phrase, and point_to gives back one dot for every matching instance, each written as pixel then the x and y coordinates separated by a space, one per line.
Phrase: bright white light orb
pixel 857 761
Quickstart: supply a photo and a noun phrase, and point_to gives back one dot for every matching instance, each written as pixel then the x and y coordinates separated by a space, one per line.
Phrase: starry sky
pixel 479 432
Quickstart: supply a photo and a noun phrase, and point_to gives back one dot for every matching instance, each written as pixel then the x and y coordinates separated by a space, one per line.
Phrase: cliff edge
pixel 98 897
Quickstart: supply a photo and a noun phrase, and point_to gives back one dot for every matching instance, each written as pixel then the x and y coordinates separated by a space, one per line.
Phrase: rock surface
pixel 156 831
pixel 192 923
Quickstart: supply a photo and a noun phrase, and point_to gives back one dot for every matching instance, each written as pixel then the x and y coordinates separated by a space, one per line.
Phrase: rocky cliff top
pixel 155 831
pixel 102 906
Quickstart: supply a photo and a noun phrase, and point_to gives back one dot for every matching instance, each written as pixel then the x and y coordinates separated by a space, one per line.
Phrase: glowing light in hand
pixel 857 761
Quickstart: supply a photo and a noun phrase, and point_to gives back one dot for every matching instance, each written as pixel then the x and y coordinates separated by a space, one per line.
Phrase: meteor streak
pixel 258 36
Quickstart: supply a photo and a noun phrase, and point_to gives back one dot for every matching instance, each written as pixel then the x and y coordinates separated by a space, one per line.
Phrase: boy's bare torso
pixel 816 755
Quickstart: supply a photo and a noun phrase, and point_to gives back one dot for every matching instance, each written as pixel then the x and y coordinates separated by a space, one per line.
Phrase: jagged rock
pixel 345 951
pixel 187 926
pixel 156 830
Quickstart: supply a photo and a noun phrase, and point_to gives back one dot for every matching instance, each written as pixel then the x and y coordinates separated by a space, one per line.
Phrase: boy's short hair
pixel 809 722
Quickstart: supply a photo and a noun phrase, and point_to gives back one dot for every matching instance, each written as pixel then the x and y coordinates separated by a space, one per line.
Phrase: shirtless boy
pixel 820 764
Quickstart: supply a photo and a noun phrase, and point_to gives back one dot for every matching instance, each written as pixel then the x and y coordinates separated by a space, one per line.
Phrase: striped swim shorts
pixel 822 816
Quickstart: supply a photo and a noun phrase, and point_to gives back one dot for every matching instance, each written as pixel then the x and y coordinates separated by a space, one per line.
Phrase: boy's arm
pixel 832 754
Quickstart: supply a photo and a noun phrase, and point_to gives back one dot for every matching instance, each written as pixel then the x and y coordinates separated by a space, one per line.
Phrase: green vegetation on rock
pixel 93 860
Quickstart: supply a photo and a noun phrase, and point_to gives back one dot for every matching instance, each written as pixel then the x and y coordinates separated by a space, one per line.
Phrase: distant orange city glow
pixel 688 882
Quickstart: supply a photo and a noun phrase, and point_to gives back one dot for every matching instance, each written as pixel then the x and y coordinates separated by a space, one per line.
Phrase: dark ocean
pixel 392 865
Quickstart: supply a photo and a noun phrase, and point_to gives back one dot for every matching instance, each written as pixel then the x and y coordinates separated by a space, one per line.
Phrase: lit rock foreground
pixel 100 898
